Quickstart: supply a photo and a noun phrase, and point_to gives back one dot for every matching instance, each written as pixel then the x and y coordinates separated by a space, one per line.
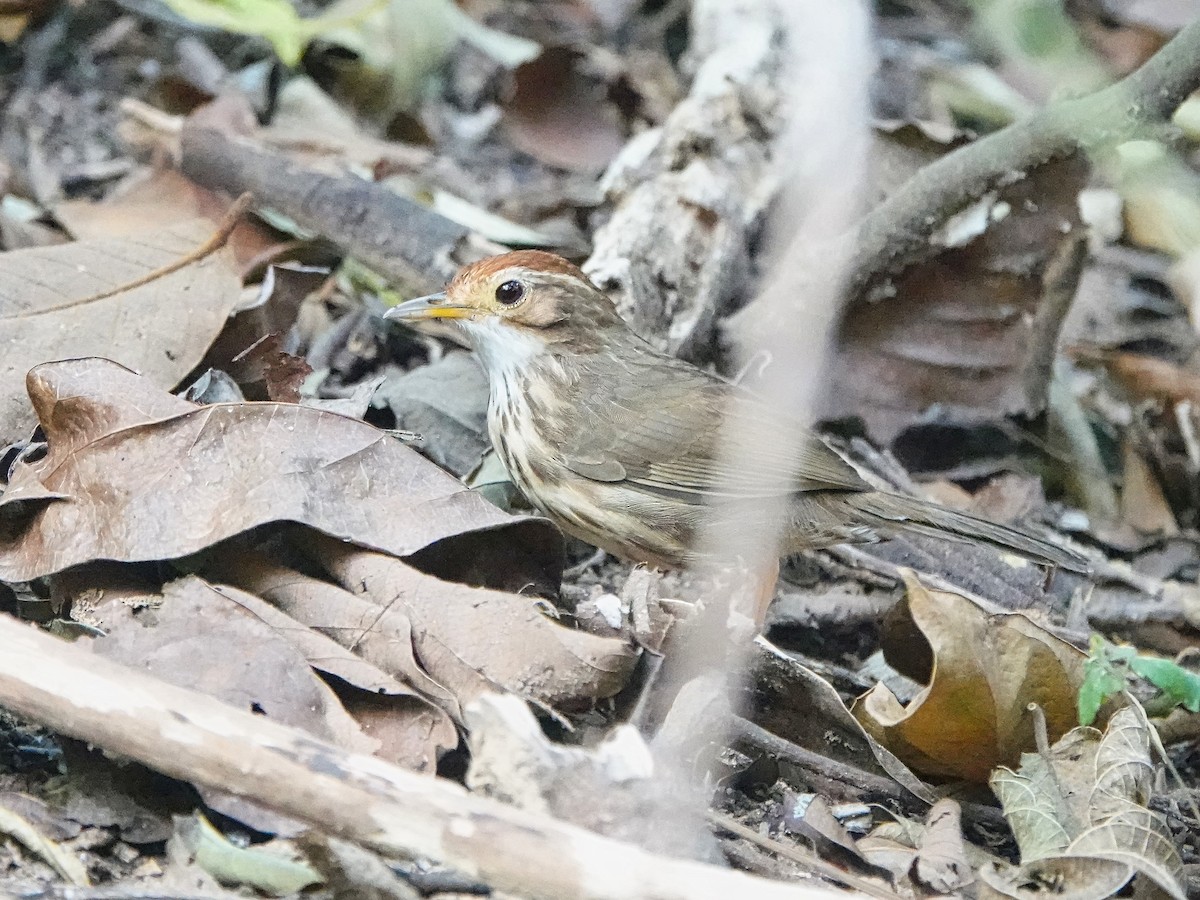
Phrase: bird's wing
pixel 656 428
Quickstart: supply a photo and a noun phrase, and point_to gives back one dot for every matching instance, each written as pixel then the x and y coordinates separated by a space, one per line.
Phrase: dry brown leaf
pixel 985 670
pixel 962 330
pixel 886 848
pixel 270 369
pixel 168 487
pixel 129 299
pixel 1144 507
pixel 135 802
pixel 381 637
pixel 942 864
pixel 411 731
pixel 275 309
pixel 560 115
pixel 160 199
pixel 438 636
pixel 1145 377
pixel 1083 805
pixel 472 639
pixel 195 637
pixel 322 652
pixel 800 706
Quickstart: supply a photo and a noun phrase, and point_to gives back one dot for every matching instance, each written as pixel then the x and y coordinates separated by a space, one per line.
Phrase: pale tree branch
pixel 898 230
pixel 395 812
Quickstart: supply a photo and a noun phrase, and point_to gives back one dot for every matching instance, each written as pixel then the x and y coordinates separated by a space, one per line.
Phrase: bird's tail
pixel 895 512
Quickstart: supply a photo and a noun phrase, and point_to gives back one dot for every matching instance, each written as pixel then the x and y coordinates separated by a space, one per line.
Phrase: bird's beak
pixel 432 307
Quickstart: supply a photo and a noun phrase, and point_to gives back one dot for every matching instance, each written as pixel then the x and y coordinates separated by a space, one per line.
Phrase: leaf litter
pixel 323 570
pixel 120 298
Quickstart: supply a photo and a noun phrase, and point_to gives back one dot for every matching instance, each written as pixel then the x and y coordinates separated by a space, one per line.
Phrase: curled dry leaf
pixel 382 637
pixel 942 863
pixel 1080 811
pixel 152 302
pixel 137 485
pixel 322 652
pixel 799 705
pixel 985 670
pixel 409 729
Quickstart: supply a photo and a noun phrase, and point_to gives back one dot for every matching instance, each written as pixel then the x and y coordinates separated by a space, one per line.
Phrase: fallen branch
pixel 897 232
pixel 858 780
pixel 392 811
pixel 402 240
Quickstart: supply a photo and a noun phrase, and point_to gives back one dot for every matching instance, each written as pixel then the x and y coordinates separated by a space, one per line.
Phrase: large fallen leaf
pixel 560 115
pixel 968 334
pixel 1081 808
pixel 437 636
pixel 136 485
pixel 160 198
pixel 473 639
pixel 152 302
pixel 407 728
pixel 382 638
pixel 982 673
pixel 192 635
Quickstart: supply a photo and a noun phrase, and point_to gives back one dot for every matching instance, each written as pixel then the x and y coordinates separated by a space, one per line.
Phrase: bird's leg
pixel 760 590
pixel 580 567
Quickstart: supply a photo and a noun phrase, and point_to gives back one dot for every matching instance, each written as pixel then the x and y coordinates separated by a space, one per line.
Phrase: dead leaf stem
pixel 215 242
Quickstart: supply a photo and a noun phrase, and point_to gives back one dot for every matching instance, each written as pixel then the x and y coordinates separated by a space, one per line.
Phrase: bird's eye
pixel 510 292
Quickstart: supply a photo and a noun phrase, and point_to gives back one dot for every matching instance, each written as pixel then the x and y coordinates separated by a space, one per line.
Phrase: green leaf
pixel 257 867
pixel 1099 683
pixel 403 43
pixel 275 21
pixel 1180 685
pixel 1103 676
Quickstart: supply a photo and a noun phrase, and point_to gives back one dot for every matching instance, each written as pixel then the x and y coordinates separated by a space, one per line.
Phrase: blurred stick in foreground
pixel 823 157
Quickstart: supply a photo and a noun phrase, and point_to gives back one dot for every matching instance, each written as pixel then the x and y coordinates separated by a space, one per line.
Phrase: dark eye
pixel 510 292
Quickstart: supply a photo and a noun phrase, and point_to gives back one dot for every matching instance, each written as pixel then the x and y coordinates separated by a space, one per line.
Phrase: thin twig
pixel 758 737
pixel 801 857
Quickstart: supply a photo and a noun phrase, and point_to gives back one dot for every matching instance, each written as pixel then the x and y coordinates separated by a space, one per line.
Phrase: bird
pixel 618 443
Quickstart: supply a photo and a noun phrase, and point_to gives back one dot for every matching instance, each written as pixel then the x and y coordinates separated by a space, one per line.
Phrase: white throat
pixel 505 352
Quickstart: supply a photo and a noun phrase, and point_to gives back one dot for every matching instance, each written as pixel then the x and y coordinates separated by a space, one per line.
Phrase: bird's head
pixel 516 305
